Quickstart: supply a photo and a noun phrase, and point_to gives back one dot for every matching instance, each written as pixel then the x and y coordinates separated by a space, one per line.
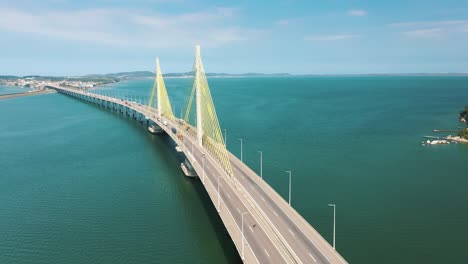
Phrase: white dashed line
pixel 251 228
pixel 238 210
pixel 275 212
pixel 266 252
pixel 310 255
pixel 263 198
pixel 229 195
pixel 292 233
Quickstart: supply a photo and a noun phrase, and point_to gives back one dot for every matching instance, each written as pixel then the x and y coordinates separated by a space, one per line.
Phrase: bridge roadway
pixel 274 232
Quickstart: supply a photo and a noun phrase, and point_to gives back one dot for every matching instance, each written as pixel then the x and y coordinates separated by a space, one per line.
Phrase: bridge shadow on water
pixel 223 237
pixel 166 147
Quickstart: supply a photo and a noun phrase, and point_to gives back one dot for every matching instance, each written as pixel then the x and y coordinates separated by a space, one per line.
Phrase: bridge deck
pixel 274 231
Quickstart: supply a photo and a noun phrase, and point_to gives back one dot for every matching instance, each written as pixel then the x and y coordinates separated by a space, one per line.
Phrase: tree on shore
pixel 464 113
pixel 464 133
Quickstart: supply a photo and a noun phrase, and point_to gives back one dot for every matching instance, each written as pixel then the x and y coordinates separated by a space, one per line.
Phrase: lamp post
pixel 241 141
pixel 261 163
pixel 289 186
pixel 203 167
pixel 334 223
pixel 243 252
pixel 219 209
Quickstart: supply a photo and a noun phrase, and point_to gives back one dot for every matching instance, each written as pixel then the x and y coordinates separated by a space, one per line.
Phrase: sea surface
pixel 80 184
pixel 12 89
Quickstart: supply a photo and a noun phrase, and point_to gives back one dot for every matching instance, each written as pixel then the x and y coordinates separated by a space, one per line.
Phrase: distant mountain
pixel 123 75
pixel 149 74
pixel 114 77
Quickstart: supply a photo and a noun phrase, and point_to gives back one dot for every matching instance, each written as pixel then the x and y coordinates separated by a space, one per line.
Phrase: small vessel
pixel 179 149
pixel 186 171
pixel 151 130
pixel 155 129
pixel 437 142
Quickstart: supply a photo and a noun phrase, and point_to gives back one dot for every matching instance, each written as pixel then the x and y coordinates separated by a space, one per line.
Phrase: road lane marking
pixel 228 195
pixel 238 210
pixel 263 198
pixel 293 221
pixel 291 232
pixel 266 252
pixel 310 255
pixel 251 228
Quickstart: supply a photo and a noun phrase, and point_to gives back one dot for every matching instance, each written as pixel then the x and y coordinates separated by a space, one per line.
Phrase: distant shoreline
pixel 115 77
pixel 14 95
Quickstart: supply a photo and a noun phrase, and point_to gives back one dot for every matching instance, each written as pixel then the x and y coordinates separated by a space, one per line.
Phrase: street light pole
pixel 289 186
pixel 261 163
pixel 203 167
pixel 241 140
pixel 219 209
pixel 243 254
pixel 334 223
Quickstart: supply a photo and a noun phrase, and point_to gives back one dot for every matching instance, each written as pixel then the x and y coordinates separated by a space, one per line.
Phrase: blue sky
pixel 64 37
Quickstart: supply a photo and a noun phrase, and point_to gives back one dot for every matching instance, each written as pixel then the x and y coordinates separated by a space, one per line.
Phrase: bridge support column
pixel 158 92
pixel 198 95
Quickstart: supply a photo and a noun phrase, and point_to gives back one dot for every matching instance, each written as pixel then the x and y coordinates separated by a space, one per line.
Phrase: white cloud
pixel 330 37
pixel 419 24
pixel 288 21
pixel 117 27
pixel 357 12
pixel 424 33
pixel 283 22
pixel 432 29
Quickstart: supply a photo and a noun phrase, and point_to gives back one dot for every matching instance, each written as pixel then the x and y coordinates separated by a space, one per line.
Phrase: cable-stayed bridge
pixel 263 226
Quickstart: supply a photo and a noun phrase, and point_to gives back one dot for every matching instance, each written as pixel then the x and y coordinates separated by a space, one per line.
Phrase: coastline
pixel 457 139
pixel 9 96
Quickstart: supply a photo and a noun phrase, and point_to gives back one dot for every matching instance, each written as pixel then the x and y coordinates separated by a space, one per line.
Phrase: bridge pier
pixel 269 234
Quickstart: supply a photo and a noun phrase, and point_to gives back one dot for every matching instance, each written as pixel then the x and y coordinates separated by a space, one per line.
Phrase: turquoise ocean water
pixel 12 89
pixel 79 184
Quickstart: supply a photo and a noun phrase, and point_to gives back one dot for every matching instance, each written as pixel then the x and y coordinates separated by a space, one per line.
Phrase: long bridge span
pixel 262 225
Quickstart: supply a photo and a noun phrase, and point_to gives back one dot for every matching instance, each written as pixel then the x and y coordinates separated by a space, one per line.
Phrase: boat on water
pixel 436 142
pixel 154 129
pixel 186 171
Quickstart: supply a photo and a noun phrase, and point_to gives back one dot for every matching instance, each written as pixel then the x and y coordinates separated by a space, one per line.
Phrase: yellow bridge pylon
pixel 209 133
pixel 162 99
